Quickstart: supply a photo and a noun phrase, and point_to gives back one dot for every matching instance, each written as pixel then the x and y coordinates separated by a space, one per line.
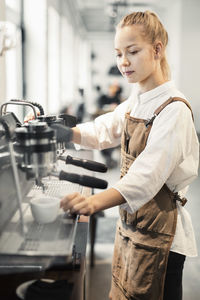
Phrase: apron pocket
pixel 134 266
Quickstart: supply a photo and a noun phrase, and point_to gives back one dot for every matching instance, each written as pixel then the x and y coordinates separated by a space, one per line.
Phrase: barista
pixel 160 153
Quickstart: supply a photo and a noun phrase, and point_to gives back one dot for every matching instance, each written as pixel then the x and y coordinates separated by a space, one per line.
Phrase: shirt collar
pixel 163 88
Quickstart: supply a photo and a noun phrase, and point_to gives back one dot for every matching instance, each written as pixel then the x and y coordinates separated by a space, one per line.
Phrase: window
pixel 13 57
pixel 53 60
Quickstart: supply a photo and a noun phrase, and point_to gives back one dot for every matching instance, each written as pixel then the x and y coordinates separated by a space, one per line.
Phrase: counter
pixel 69 264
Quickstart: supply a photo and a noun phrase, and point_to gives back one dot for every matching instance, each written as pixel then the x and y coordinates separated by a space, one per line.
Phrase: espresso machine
pixel 34 159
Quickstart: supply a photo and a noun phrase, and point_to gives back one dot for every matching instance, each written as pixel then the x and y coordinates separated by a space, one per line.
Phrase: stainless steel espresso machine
pixel 34 159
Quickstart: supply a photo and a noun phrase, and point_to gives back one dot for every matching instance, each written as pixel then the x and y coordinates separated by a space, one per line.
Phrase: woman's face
pixel 135 56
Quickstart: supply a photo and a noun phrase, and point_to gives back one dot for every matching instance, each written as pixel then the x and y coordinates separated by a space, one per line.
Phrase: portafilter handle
pixel 83 180
pixel 84 163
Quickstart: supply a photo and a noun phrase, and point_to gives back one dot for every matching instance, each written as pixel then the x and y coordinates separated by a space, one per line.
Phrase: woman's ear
pixel 158 47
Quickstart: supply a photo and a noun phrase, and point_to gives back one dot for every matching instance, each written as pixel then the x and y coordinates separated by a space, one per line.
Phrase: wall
pixel 170 16
pixel 53 62
pixel 190 55
pixel 2 60
pixel 35 51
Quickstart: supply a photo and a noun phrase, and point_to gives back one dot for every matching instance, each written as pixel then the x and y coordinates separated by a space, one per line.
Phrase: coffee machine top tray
pixel 53 239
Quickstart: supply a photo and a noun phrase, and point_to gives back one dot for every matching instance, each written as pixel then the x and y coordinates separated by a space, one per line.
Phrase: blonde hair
pixel 153 30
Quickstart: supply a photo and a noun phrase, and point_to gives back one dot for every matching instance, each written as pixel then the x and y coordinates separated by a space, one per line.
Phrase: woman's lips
pixel 128 73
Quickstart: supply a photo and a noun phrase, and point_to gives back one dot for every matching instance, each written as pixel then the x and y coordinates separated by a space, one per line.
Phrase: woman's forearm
pixel 106 199
pixel 76 138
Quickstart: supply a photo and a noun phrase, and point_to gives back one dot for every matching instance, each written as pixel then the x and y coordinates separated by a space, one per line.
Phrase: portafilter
pixel 36 143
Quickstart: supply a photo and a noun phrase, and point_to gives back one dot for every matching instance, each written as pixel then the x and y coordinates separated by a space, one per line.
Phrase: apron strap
pixel 170 100
pixel 162 106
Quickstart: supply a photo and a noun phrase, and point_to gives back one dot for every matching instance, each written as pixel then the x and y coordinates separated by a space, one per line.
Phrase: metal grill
pixel 56 188
pixel 56 238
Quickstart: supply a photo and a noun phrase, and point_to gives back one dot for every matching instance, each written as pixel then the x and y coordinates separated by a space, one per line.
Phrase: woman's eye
pixel 118 55
pixel 134 52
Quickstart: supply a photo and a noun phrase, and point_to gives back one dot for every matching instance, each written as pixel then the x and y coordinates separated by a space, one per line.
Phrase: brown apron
pixel 143 239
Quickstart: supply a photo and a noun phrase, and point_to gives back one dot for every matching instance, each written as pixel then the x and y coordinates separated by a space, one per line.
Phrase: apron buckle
pixel 150 121
pixel 178 198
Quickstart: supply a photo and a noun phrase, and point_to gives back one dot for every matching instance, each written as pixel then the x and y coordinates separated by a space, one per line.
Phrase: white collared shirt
pixel 171 155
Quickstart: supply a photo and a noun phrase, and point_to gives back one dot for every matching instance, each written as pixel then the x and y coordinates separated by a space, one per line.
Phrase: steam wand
pixel 38 182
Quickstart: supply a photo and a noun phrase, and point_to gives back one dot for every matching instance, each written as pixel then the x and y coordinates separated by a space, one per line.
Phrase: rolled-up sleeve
pixel 105 131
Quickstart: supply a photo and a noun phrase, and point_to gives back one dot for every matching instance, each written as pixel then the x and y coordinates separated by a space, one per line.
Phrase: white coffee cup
pixel 45 208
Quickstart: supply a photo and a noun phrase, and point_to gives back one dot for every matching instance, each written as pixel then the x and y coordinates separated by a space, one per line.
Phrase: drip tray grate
pixel 56 188
pixel 55 238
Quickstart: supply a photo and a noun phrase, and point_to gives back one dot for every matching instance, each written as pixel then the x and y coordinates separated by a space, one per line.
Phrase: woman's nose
pixel 125 61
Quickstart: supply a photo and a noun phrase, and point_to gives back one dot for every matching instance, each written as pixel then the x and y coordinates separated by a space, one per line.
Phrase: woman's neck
pixel 152 82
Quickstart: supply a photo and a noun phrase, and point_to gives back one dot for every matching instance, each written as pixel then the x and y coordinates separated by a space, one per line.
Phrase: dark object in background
pixel 114 71
pixel 42 290
pixel 113 96
pixel 80 112
pixel 108 100
pixel 110 162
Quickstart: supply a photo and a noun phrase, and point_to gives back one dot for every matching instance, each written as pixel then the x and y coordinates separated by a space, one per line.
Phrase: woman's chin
pixel 131 80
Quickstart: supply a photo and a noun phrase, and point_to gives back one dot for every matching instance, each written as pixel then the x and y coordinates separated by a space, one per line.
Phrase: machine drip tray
pixel 53 239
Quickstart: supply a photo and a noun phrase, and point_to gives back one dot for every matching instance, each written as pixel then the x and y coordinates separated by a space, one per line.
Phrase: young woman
pixel 159 159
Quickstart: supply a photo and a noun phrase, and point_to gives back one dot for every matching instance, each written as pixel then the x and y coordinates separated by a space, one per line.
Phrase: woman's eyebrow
pixel 132 45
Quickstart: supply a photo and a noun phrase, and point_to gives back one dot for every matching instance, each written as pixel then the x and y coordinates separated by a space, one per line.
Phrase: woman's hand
pixel 77 204
pixel 30 116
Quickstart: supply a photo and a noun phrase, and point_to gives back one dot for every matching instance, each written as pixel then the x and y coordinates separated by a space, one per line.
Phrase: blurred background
pixel 62 56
